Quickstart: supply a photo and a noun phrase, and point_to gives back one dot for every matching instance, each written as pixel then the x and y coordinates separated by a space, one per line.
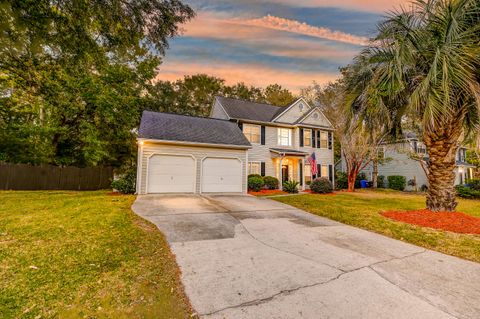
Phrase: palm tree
pixel 424 64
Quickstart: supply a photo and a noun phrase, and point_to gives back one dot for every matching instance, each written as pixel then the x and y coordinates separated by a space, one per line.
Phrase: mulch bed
pixel 454 222
pixel 265 192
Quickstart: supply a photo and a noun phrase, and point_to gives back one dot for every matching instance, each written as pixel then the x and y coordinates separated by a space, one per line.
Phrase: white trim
pixel 316 108
pixel 246 173
pixel 259 162
pixel 259 132
pixel 173 154
pixel 213 156
pixel 290 106
pixel 138 186
pixel 195 144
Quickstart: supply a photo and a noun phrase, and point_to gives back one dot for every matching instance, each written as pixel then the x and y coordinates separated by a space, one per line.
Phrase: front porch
pixel 290 166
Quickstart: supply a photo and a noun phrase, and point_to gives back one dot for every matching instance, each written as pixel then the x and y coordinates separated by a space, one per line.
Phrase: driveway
pixel 246 257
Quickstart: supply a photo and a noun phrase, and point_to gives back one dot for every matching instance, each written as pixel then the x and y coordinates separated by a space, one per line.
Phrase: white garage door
pixel 171 174
pixel 221 175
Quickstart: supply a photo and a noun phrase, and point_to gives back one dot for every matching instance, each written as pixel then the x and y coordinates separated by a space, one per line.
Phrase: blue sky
pixel 292 43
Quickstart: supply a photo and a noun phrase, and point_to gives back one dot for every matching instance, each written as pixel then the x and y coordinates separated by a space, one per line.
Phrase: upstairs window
pixel 252 133
pixel 323 139
pixel 284 137
pixel 307 137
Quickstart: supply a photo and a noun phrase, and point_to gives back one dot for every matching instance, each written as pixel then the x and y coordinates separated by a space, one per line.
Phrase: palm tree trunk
pixel 441 177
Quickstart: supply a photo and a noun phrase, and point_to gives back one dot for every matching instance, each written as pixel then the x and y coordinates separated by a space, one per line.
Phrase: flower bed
pixel 454 222
pixel 267 192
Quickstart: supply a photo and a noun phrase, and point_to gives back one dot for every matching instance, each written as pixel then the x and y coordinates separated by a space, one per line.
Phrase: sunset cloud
pixel 277 23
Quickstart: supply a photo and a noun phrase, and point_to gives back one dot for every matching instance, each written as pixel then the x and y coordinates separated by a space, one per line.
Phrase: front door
pixel 284 173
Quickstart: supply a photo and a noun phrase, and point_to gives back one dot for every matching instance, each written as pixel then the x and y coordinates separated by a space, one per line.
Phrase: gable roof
pixel 286 108
pixel 183 128
pixel 246 110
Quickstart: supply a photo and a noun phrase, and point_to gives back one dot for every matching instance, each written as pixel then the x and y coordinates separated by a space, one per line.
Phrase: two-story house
pixel 185 154
pixel 404 158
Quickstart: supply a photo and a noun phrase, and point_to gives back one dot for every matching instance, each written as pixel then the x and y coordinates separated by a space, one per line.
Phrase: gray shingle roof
pixel 246 110
pixel 175 127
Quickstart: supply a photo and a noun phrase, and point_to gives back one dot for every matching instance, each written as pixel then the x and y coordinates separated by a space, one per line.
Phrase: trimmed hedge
pixel 397 182
pixel 467 192
pixel 321 185
pixel 255 183
pixel 270 182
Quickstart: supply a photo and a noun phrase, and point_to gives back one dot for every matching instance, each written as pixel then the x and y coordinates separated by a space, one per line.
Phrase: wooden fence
pixel 48 177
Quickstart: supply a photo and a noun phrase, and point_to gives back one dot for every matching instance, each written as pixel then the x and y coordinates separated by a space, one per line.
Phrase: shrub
pixel 255 183
pixel 254 175
pixel 321 185
pixel 473 184
pixel 380 181
pixel 397 182
pixel 291 186
pixel 270 182
pixel 423 188
pixel 467 192
pixel 341 180
pixel 126 183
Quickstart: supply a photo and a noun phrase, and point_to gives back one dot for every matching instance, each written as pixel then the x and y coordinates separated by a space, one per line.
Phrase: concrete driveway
pixel 245 257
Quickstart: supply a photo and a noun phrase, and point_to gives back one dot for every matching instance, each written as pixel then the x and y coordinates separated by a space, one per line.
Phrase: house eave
pixel 186 143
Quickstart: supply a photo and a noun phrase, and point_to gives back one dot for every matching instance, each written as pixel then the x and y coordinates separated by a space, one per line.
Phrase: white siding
pixel 320 120
pixel 199 153
pixel 294 112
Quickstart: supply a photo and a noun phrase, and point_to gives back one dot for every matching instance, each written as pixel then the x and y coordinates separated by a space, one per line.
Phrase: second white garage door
pixel 171 174
pixel 221 175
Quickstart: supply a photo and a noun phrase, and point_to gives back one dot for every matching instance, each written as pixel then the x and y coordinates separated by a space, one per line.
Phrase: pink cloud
pixel 277 23
pixel 251 74
pixel 364 5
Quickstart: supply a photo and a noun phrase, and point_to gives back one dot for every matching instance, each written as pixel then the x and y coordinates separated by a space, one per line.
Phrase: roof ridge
pixel 190 116
pixel 245 100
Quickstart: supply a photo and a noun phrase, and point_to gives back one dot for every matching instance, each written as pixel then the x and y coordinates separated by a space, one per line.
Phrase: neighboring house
pixel 184 154
pixel 399 161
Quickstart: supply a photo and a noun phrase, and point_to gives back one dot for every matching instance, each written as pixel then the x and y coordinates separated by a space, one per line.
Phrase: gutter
pixel 186 143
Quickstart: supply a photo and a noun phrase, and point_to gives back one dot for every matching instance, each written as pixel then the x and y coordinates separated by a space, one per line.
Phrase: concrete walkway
pixel 246 257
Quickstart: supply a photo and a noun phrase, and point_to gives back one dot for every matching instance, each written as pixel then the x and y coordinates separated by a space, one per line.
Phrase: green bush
pixel 341 180
pixel 473 184
pixel 467 192
pixel 270 182
pixel 255 175
pixel 291 186
pixel 321 186
pixel 380 181
pixel 126 183
pixel 397 182
pixel 255 183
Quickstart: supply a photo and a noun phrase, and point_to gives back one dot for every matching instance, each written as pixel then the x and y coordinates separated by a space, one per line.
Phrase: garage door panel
pixel 222 175
pixel 171 174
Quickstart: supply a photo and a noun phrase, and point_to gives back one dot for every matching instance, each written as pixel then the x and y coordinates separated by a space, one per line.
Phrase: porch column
pixel 280 173
pixel 303 173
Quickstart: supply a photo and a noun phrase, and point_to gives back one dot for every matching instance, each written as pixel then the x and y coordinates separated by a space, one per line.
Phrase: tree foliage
pixel 72 74
pixel 424 65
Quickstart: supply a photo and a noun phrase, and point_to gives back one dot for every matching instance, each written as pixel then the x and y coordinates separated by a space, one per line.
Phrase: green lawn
pixel 83 255
pixel 361 209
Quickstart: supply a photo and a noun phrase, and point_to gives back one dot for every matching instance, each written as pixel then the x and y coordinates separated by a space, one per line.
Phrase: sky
pixel 261 42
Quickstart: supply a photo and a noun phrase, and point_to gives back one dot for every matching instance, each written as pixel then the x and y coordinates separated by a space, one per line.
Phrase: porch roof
pixel 288 152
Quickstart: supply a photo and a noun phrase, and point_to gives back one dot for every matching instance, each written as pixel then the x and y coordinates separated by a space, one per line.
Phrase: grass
pixel 84 255
pixel 361 209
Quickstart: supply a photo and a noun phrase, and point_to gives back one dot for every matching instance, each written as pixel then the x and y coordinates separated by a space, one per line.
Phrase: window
pixel 421 149
pixel 252 133
pixel 323 139
pixel 308 173
pixel 254 168
pixel 307 137
pixel 284 137
pixel 324 172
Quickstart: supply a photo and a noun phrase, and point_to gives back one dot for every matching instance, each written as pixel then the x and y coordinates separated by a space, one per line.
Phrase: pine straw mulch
pixel 455 222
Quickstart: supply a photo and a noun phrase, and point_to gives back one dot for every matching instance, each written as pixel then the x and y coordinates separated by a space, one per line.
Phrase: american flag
pixel 313 163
